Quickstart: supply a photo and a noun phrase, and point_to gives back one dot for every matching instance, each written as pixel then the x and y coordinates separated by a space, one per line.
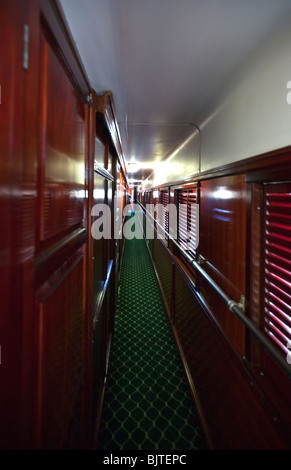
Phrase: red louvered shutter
pixel 276 256
pixel 187 223
pixel 182 224
pixel 165 219
pixel 192 221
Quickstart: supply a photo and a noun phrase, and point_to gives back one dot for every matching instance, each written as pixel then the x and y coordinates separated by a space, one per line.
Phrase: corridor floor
pixel 147 403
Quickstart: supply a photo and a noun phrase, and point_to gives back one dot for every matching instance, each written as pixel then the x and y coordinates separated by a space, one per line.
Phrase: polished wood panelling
pixel 99 270
pixel 103 259
pixel 15 252
pixel 106 110
pixel 254 268
pixel 234 417
pixel 222 242
pixel 52 353
pixel 62 146
pixel 60 246
pixel 60 356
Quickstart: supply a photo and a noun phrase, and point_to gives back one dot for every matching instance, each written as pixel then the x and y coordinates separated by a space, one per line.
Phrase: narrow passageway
pixel 147 403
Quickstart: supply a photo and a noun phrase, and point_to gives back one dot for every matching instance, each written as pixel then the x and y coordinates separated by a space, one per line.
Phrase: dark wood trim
pixel 88 278
pixel 57 277
pixel 255 164
pixel 268 166
pixel 189 185
pixel 51 259
pixel 102 101
pixel 253 250
pixel 106 110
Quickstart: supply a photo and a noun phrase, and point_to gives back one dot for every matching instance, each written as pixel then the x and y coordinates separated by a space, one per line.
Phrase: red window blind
pixel 276 257
pixel 165 218
pixel 187 222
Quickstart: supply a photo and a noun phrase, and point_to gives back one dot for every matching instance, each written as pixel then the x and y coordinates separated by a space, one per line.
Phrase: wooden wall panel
pixel 62 147
pixel 99 253
pixel 47 138
pixel 223 245
pixel 61 331
pixel 60 355
pixel 234 416
pixel 254 269
pixel 186 309
pixel 11 183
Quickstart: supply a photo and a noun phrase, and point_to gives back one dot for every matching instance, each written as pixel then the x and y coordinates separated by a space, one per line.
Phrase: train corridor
pixel 183 107
pixel 147 404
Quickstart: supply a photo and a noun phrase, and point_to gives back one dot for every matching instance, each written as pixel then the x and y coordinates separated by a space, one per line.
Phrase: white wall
pixel 248 117
pixel 181 164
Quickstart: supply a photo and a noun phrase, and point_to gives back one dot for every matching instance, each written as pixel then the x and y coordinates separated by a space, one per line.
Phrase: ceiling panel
pixel 155 142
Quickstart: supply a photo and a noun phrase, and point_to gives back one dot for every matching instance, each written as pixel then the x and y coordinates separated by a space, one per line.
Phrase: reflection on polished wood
pixel 223 244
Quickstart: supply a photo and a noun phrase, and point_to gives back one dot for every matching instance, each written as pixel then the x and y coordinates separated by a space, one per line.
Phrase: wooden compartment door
pixel 60 251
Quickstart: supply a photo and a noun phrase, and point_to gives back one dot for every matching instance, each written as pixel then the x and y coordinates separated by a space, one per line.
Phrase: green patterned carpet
pixel 147 403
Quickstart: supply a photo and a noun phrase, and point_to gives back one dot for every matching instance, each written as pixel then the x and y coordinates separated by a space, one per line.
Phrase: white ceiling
pixel 165 60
